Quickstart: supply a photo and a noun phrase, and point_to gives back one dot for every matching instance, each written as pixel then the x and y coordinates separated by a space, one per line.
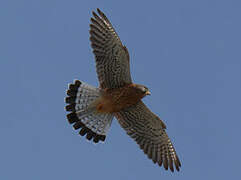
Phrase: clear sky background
pixel 187 52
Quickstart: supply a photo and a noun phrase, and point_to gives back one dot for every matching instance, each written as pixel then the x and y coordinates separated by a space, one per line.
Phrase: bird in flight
pixel 92 109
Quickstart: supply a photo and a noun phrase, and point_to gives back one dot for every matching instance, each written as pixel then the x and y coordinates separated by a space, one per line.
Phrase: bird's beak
pixel 148 93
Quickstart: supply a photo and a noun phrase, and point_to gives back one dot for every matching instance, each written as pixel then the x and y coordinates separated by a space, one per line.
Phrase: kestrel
pixel 92 109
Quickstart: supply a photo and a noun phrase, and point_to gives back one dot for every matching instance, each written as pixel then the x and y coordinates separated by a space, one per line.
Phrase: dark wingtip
pixel 94 14
pixel 78 125
pixel 89 135
pixel 165 163
pixel 160 162
pixel 172 169
pixel 72 117
pixel 177 163
pixel 77 83
pixel 99 11
pixel 70 99
pixel 70 107
pixel 98 138
pixel 177 168
pixel 83 131
pixel 71 92
pixel 73 88
pixel 95 140
pixel 102 137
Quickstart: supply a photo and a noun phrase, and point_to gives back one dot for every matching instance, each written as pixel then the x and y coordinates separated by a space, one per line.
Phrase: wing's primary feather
pixel 112 58
pixel 149 132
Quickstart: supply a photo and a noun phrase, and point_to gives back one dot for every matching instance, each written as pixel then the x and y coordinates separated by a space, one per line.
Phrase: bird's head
pixel 142 90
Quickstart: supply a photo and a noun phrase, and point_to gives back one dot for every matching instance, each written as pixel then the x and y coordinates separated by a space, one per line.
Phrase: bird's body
pixel 92 109
pixel 114 100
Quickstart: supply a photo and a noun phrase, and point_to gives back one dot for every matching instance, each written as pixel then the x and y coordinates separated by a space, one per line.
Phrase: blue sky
pixel 187 52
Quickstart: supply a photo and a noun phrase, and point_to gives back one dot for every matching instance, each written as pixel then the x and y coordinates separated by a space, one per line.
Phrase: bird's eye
pixel 143 89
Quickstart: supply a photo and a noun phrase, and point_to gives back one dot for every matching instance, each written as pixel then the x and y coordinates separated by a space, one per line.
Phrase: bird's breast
pixel 117 99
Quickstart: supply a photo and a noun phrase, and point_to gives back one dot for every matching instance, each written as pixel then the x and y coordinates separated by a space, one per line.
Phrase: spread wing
pixel 149 132
pixel 112 58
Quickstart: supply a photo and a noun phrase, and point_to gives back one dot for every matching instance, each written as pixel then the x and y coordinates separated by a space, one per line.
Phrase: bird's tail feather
pixel 80 96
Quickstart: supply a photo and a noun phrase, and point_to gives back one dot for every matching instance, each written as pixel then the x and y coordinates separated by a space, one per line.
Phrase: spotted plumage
pixel 92 109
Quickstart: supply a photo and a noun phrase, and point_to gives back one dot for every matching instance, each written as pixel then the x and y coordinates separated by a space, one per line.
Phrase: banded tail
pixel 79 97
